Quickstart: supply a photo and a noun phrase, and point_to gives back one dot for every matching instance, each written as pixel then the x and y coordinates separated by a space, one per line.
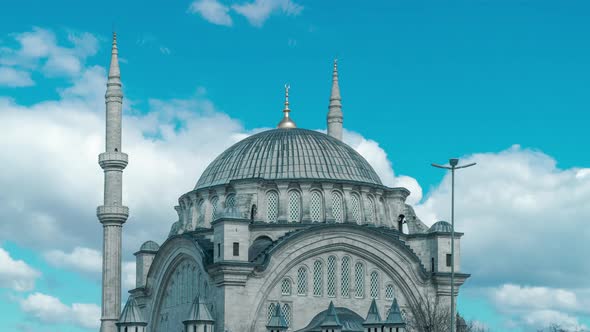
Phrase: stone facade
pixel 281 226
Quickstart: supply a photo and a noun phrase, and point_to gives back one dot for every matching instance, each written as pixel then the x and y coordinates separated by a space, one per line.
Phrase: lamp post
pixel 453 166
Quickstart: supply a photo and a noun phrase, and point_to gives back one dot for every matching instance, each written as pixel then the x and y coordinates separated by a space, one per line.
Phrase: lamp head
pixel 453 162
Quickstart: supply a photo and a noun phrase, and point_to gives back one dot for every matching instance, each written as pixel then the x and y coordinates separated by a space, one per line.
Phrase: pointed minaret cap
pixel 394 318
pixel 331 319
pixel 131 314
pixel 335 98
pixel 373 316
pixel 286 122
pixel 114 71
pixel 199 313
pixel 335 117
pixel 277 320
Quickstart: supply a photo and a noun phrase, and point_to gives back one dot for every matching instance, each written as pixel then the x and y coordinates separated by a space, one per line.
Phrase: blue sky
pixel 503 83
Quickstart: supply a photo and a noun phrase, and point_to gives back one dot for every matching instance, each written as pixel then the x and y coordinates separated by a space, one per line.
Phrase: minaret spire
pixel 112 214
pixel 335 109
pixel 286 122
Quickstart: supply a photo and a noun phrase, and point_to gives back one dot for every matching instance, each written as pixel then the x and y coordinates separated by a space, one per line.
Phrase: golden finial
pixel 286 122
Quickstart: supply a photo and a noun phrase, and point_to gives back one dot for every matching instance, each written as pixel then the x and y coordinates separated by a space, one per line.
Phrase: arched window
pixel 389 292
pixel 355 208
pixel 370 210
pixel 201 213
pixel 359 280
pixel 272 206
pixel 294 206
pixel 214 204
pixel 331 288
pixel 271 311
pixel 286 286
pixel 337 207
pixel 316 208
pixel 286 309
pixel 374 285
pixel 302 281
pixel 317 278
pixel 345 277
pixel 230 201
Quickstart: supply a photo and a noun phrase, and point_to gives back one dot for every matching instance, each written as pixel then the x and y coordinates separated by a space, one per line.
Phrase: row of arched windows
pixel 349 275
pixel 316 207
pixel 199 212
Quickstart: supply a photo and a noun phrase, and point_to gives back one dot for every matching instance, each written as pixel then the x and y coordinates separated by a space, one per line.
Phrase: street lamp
pixel 453 166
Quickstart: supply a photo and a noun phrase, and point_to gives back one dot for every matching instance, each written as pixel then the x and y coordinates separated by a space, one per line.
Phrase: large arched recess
pixel 172 253
pixel 384 249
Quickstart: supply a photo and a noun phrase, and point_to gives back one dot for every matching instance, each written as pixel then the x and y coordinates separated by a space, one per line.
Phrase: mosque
pixel 289 229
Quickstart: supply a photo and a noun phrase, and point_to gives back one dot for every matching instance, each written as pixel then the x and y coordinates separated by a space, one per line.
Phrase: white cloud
pixel 539 307
pixel 16 274
pixel 88 262
pixel 527 217
pixel 15 78
pixel 212 11
pixel 377 157
pixel 80 259
pixel 49 309
pixel 39 49
pixel 258 11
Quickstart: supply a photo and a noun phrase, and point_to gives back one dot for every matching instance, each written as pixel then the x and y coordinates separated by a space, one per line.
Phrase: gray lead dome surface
pixel 284 154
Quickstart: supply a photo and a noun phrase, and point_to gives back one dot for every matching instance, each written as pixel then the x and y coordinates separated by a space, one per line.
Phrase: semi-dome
pixel 289 154
pixel 149 246
pixel 440 227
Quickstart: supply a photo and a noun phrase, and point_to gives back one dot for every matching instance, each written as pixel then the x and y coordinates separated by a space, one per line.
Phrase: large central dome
pixel 285 154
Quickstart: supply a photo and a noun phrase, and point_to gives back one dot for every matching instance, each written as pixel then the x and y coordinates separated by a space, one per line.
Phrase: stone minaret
pixel 112 214
pixel 335 108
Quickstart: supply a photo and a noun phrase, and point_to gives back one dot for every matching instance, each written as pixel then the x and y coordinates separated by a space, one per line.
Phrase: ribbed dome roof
pixel 288 154
pixel 440 227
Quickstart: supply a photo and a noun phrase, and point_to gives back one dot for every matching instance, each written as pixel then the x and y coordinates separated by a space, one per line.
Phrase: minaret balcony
pixel 113 160
pixel 112 214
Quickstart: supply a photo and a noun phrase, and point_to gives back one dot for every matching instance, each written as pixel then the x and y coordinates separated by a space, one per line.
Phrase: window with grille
pixel 359 280
pixel 355 208
pixel 389 293
pixel 374 285
pixel 286 286
pixel 214 203
pixel 294 206
pixel 345 277
pixel 302 281
pixel 331 289
pixel 449 260
pixel 317 278
pixel 272 206
pixel 371 210
pixel 201 211
pixel 230 201
pixel 337 207
pixel 316 210
pixel 271 311
pixel 286 309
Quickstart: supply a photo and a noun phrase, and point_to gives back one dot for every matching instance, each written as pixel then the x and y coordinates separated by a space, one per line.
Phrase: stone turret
pixel 277 322
pixel 112 214
pixel 373 320
pixel 131 318
pixel 331 323
pixel 143 260
pixel 199 318
pixel 394 322
pixel 335 116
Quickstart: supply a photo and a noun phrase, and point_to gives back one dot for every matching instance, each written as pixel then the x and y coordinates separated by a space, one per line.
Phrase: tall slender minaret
pixel 335 108
pixel 112 214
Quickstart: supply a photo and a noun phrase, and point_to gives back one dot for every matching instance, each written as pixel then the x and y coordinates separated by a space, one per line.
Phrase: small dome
pixel 149 246
pixel 441 227
pixel 289 154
